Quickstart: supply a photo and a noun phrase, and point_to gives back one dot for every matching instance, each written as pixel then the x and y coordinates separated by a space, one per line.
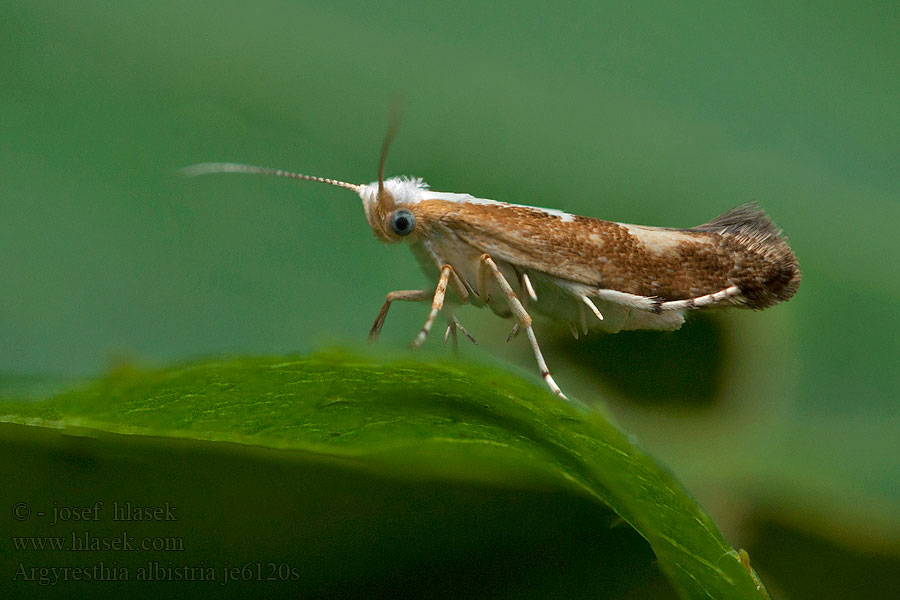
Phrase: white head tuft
pixel 405 191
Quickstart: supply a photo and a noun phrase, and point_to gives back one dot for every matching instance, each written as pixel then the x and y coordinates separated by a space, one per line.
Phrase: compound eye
pixel 403 222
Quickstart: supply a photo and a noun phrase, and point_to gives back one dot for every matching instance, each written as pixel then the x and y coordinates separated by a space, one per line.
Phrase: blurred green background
pixel 784 424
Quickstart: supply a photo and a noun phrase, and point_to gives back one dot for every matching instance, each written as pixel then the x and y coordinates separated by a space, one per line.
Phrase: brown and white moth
pixel 592 274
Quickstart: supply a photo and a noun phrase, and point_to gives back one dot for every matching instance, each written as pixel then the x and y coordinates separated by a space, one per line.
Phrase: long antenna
pixel 216 167
pixel 394 118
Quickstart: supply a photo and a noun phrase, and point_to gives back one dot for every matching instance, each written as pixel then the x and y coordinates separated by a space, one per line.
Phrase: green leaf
pixel 342 471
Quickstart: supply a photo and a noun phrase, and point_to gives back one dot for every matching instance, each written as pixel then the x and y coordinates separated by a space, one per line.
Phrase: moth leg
pixel 526 283
pixel 455 280
pixel 481 279
pixel 542 364
pixel 407 295
pixel 437 304
pixel 454 324
pixel 582 319
pixel 523 320
pixel 590 304
pixel 460 288
pixel 451 331
pixel 701 301
pixel 658 305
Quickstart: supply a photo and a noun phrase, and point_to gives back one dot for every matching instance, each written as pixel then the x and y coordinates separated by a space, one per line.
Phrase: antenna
pixel 394 117
pixel 215 167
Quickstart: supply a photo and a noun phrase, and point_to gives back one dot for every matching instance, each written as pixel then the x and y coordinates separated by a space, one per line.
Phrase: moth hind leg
pixel 704 301
pixel 656 305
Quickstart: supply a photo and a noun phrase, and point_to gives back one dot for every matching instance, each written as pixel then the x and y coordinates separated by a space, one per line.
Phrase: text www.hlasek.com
pixel 85 542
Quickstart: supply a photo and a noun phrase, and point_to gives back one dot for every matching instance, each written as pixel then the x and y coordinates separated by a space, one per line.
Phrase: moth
pixel 590 273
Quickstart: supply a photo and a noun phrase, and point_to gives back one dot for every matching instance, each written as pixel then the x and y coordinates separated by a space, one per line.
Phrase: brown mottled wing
pixel 741 247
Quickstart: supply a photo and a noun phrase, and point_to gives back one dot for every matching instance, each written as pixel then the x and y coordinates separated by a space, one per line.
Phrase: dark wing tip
pixel 748 219
pixel 779 277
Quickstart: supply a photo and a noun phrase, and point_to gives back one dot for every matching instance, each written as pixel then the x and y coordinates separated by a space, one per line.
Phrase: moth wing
pixel 539 243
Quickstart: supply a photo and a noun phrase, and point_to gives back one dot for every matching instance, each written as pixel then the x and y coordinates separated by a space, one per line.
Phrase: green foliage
pixel 410 474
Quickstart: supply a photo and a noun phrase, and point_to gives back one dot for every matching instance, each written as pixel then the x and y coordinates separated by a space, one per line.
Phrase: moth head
pixel 391 207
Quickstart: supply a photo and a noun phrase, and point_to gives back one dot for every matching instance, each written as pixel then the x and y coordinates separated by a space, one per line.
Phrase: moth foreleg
pixel 523 319
pixel 437 303
pixel 407 295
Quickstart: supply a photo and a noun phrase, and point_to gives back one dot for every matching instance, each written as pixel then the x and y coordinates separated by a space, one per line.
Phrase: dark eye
pixel 403 222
